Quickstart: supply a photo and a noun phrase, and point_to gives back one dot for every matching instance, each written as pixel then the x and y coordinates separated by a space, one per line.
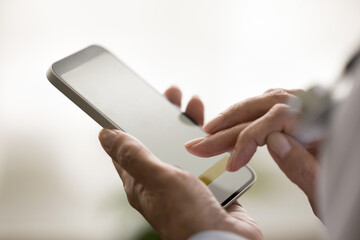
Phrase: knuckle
pixel 279 109
pixel 285 116
pixel 278 113
pixel 279 91
pixel 235 107
pixel 279 95
pixel 240 107
pixel 270 90
pixel 275 90
pixel 127 152
pixel 246 137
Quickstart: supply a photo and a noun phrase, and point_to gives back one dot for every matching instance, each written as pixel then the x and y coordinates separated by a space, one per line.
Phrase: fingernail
pixel 228 165
pixel 107 138
pixel 212 124
pixel 231 161
pixel 193 142
pixel 278 144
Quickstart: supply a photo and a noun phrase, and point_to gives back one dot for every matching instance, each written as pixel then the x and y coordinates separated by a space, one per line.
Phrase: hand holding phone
pixel 117 98
pixel 174 202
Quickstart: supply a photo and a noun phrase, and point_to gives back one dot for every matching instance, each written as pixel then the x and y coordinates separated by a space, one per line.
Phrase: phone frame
pixel 72 61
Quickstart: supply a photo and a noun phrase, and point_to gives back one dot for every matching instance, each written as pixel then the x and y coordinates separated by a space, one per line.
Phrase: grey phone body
pixel 116 97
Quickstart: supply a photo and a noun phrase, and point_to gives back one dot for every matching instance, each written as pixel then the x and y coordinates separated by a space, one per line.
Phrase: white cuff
pixel 215 235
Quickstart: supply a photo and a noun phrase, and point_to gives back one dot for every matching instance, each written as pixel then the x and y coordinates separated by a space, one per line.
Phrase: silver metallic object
pixel 318 103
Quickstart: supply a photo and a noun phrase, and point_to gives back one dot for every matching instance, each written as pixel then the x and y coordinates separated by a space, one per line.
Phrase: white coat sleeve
pixel 339 189
pixel 215 235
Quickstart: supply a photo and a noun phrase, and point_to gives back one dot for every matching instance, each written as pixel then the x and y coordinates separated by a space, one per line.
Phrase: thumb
pixel 295 161
pixel 131 155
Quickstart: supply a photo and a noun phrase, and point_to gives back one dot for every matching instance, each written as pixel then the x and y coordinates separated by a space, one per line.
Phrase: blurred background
pixel 55 180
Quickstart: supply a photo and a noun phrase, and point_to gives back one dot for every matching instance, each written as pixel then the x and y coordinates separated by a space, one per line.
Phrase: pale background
pixel 55 180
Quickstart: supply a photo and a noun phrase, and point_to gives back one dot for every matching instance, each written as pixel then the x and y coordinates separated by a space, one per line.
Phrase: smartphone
pixel 117 98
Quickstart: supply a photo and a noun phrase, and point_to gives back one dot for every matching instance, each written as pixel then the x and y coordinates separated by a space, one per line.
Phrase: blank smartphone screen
pixel 136 108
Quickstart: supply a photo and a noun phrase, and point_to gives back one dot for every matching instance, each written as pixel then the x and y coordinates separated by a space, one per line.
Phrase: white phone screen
pixel 135 107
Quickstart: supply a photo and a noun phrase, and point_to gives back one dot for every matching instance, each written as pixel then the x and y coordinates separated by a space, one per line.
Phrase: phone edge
pixel 78 100
pixel 232 198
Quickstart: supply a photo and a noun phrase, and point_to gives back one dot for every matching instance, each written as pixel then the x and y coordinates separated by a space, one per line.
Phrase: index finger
pixel 220 142
pixel 249 109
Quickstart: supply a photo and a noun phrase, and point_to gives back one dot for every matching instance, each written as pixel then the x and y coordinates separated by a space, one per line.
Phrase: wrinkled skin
pixel 265 119
pixel 174 202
